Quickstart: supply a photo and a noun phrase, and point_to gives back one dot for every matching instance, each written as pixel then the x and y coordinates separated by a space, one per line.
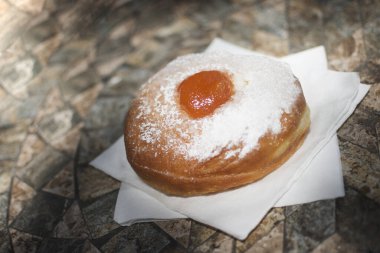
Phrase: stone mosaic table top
pixel 68 71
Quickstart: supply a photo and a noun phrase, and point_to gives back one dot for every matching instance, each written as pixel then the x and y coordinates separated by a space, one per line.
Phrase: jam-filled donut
pixel 215 121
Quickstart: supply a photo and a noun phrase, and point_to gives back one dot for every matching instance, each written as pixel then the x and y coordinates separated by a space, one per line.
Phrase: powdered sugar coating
pixel 264 89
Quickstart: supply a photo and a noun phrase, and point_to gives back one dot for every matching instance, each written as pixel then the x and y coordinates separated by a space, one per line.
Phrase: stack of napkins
pixel 313 173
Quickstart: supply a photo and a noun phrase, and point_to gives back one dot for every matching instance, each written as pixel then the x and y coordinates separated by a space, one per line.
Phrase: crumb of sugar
pixel 264 89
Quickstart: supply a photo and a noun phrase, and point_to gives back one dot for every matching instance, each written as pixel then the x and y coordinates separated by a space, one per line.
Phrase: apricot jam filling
pixel 202 93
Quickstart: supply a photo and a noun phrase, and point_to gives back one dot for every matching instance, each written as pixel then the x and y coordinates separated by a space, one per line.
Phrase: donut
pixel 212 122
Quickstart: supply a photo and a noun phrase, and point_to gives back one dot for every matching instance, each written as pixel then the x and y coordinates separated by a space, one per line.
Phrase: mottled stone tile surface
pixel 336 244
pixel 30 148
pixel 343 35
pixel 199 233
pixel 309 225
pixel 369 71
pixel 112 110
pixel 361 169
pixel 357 221
pixel 266 225
pixel 83 101
pixel 6 99
pixel 15 77
pixel 126 80
pixel 94 142
pixel 137 238
pixel 3 210
pixel 41 214
pixel 29 6
pixel 39 33
pixel 51 103
pixel 5 244
pixel 44 50
pixel 9 151
pixel 76 85
pixel 21 194
pixel 236 28
pixel 21 111
pixel 73 52
pixel 72 224
pixel 219 242
pixel 15 21
pixel 61 245
pixel 5 179
pixel 88 247
pixel 270 25
pixel 42 167
pixel 371 22
pixel 372 99
pixel 24 242
pixel 360 129
pixel 270 243
pixel 94 183
pixel 178 229
pixel 47 80
pixel 56 125
pixel 99 215
pixel 62 183
pixel 16 134
pixel 305 21
pixel 173 247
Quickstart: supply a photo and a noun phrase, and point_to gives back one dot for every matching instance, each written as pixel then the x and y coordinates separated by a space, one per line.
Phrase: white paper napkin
pixel 312 173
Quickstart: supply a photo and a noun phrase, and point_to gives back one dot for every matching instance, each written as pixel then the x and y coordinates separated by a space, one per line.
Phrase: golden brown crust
pixel 176 175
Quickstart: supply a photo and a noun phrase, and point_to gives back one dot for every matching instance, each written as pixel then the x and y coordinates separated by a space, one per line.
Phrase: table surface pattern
pixel 68 71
